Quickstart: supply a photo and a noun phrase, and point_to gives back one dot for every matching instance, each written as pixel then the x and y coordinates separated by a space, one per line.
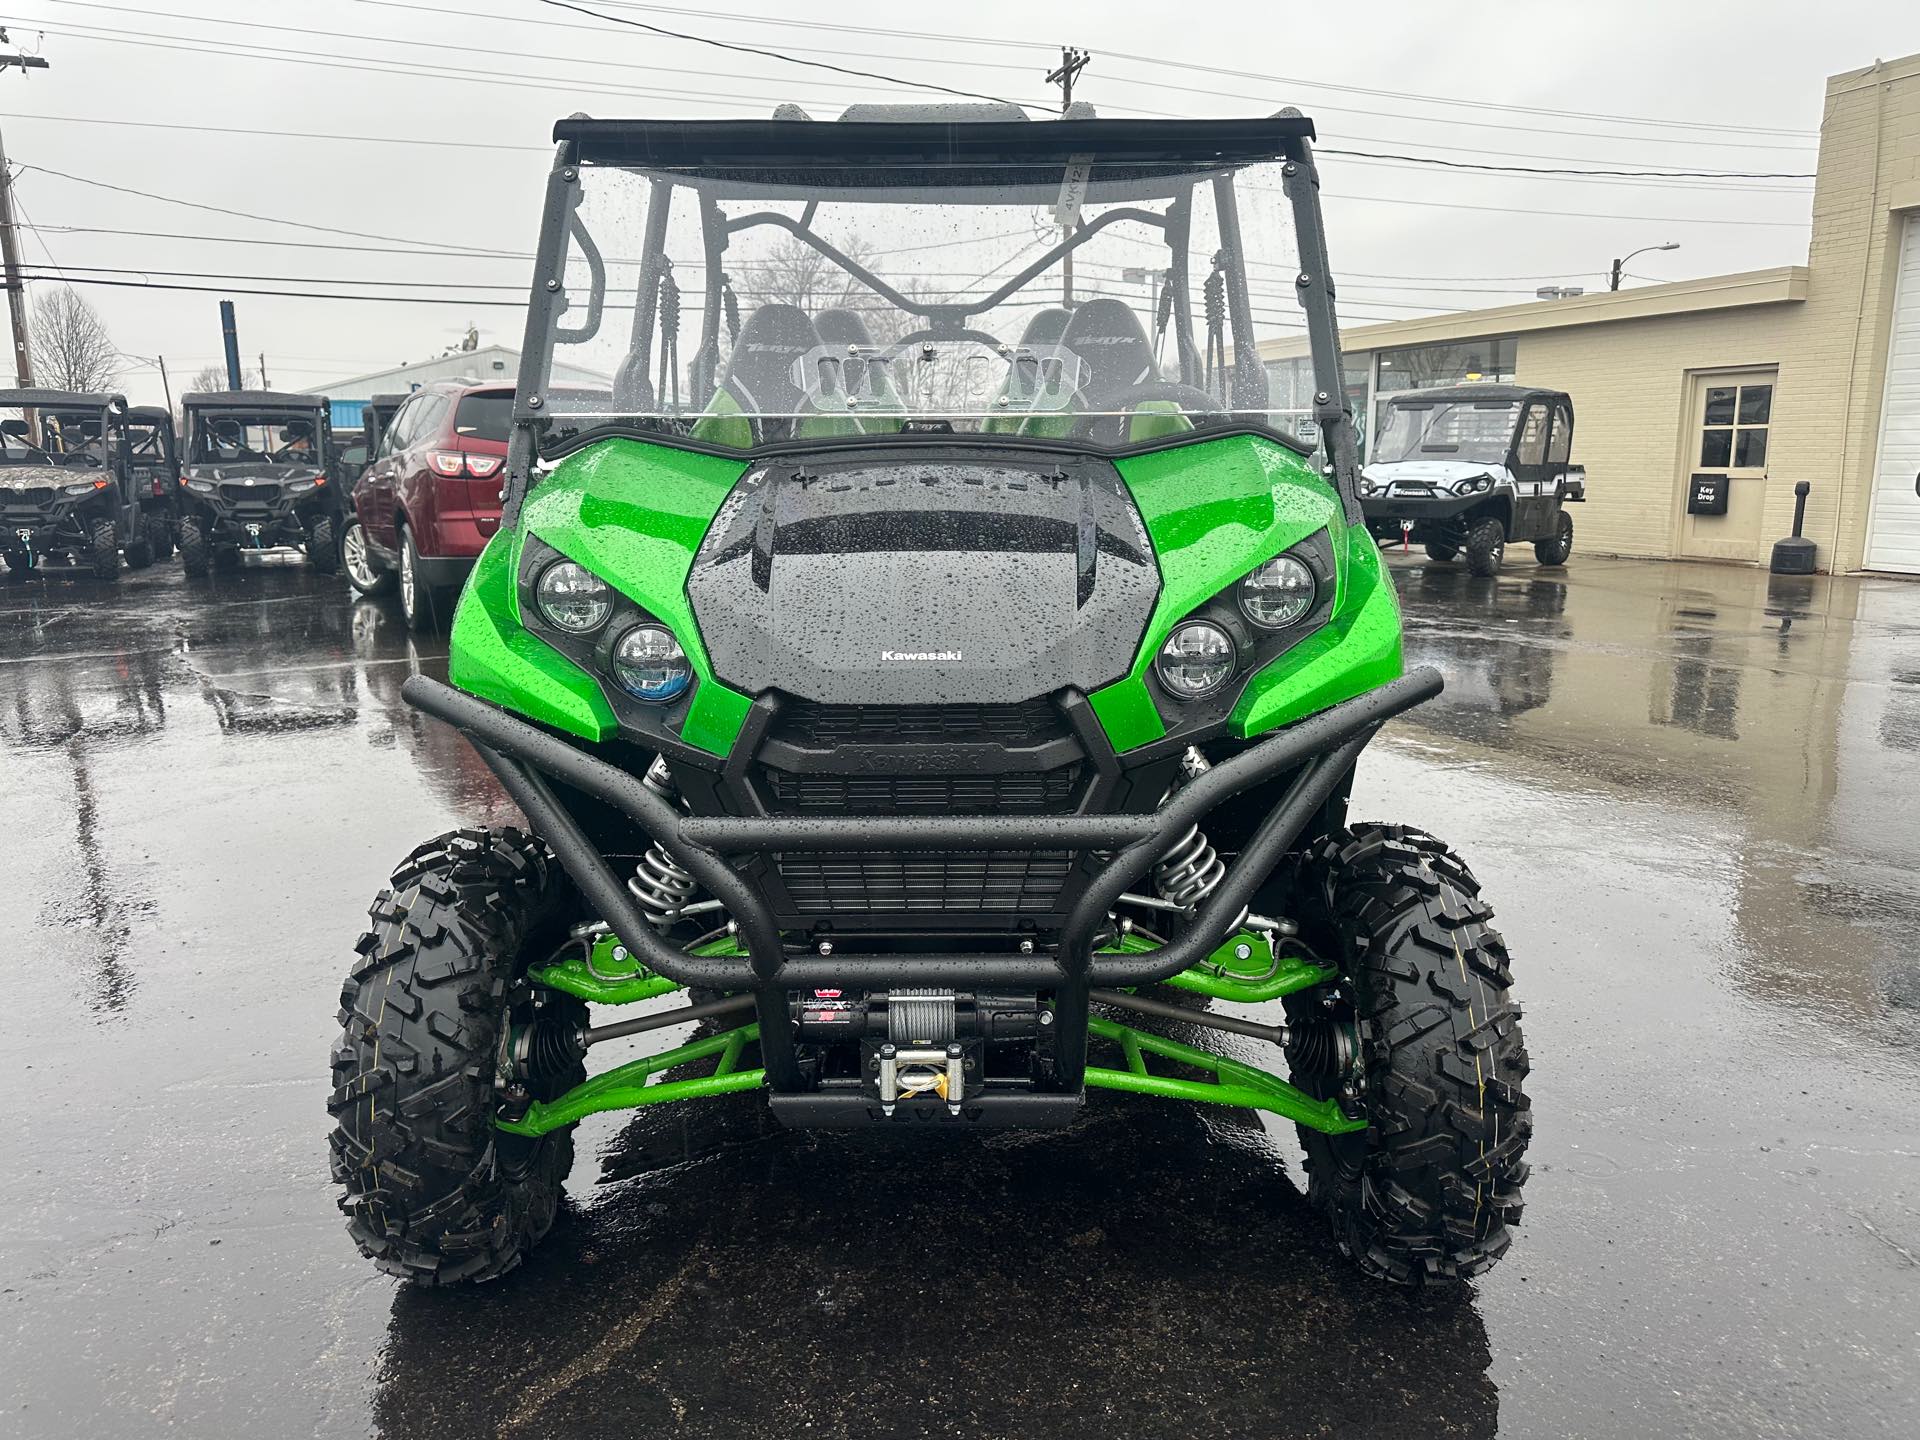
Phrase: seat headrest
pixel 842 328
pixel 760 370
pixel 1045 328
pixel 1109 340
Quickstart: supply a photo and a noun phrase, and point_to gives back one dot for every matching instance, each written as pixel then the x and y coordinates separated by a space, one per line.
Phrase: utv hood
pixel 35 477
pixel 1433 472
pixel 896 579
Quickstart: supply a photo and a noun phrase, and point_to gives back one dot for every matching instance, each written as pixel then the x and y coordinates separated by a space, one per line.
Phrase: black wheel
pixel 356 558
pixel 196 554
pixel 323 546
pixel 19 565
pixel 226 558
pixel 433 1192
pixel 159 536
pixel 103 550
pixel 1486 546
pixel 1442 553
pixel 139 553
pixel 419 601
pixel 1427 1191
pixel 1556 550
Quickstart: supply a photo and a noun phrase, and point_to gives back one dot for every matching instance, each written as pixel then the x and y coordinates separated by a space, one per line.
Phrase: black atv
pixel 67 484
pixel 1471 467
pixel 262 473
pixel 153 472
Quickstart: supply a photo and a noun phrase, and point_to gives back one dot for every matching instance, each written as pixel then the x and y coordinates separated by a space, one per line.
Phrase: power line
pixel 432 247
pixel 1545 170
pixel 777 55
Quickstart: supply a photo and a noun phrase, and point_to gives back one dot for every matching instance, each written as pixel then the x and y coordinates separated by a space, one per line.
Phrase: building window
pixel 1733 434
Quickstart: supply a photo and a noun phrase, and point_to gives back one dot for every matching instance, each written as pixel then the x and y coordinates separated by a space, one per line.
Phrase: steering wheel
pixel 1191 399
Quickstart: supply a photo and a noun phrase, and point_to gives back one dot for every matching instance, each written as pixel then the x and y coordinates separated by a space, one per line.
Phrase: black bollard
pixel 1795 555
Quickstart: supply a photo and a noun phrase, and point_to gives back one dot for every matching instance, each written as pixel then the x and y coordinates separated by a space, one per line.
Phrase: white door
pixel 1893 528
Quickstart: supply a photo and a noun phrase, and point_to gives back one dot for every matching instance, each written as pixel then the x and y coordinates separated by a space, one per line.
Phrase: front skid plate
pixel 1232 1082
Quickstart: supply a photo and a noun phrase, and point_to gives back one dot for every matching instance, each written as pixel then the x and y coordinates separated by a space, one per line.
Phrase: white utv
pixel 1469 468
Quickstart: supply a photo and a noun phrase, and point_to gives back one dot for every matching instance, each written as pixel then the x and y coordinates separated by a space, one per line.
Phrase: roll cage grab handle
pixel 560 224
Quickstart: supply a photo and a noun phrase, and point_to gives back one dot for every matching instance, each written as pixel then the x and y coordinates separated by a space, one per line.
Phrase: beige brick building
pixel 1806 372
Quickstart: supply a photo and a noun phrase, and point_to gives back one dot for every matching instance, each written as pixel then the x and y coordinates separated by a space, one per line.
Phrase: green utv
pixel 931 652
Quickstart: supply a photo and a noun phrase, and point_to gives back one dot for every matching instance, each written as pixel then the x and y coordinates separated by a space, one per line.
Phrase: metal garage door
pixel 1893 531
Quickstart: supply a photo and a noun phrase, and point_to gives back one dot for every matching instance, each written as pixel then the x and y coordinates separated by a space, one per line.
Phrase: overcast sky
pixel 1461 81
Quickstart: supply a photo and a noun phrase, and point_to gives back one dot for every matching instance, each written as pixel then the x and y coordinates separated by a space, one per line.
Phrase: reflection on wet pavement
pixel 1690 792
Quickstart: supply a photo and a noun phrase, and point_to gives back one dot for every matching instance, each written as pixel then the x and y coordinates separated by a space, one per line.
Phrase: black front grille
pixel 258 494
pixel 1031 722
pixel 1039 792
pixel 38 495
pixel 1014 882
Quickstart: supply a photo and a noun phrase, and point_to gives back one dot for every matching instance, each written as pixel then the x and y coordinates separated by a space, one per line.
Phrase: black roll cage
pixel 706 156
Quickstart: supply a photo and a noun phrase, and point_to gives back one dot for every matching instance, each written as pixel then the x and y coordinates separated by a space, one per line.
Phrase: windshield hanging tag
pixel 1073 190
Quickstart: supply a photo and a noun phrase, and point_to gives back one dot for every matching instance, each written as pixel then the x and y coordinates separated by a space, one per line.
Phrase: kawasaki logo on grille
pixel 933 655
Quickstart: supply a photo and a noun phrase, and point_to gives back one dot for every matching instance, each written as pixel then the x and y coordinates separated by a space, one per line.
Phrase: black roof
pixel 992 151
pixel 1488 392
pixel 253 400
pixel 149 415
pixel 58 399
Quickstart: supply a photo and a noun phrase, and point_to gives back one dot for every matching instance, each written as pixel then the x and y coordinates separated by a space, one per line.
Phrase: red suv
pixel 429 499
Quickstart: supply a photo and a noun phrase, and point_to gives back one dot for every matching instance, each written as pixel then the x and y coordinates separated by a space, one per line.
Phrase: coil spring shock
pixel 1192 870
pixel 660 885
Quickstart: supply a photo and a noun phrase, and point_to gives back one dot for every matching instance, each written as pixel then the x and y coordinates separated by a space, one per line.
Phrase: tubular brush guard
pixel 1323 748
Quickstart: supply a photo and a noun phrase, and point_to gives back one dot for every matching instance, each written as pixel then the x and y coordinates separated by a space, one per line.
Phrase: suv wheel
pixel 1486 547
pixel 1441 552
pixel 196 554
pixel 1556 550
pixel 357 559
pixel 418 601
pixel 103 553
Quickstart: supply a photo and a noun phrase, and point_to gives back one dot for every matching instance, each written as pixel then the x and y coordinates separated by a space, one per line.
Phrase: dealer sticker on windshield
pixel 1073 190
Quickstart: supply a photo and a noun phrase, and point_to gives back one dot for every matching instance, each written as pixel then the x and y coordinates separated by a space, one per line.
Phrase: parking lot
pixel 1675 782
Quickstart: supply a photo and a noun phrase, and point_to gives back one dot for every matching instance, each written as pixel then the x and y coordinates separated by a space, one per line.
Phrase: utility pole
pixel 166 386
pixel 9 239
pixel 263 371
pixel 230 336
pixel 1072 62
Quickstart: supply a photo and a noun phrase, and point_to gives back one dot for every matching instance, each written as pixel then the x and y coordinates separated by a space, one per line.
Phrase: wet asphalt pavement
pixel 1693 798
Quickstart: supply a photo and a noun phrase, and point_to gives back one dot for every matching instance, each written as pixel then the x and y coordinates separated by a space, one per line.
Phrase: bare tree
pixel 71 347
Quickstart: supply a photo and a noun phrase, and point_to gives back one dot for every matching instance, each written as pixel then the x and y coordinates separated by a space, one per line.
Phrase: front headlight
pixel 1278 593
pixel 572 598
pixel 301 485
pixel 84 487
pixel 1196 661
pixel 197 485
pixel 1473 486
pixel 1367 487
pixel 650 665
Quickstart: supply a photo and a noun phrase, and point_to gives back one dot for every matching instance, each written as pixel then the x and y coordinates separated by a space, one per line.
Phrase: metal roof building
pixel 490 364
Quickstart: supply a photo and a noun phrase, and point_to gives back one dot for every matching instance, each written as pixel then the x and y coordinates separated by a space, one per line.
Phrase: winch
pixel 919 1042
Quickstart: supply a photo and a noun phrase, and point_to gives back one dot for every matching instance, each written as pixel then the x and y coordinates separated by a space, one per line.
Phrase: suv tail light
pixel 452 463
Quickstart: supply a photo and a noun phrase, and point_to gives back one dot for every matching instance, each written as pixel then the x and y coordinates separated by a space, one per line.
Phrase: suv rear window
pixel 485 416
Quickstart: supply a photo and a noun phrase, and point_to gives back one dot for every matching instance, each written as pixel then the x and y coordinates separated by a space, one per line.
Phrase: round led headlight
pixel 1278 593
pixel 650 665
pixel 1196 660
pixel 572 598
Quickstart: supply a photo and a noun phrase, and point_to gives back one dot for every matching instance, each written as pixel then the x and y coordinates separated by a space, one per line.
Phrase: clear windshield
pixel 1478 431
pixel 51 437
pixel 1108 305
pixel 236 437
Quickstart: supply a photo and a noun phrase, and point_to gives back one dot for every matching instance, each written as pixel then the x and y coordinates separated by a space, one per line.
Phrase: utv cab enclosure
pixel 71 486
pixel 1472 467
pixel 260 472
pixel 925 654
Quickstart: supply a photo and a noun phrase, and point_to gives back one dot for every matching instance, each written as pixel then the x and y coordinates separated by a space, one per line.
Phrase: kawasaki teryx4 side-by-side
pixel 1468 468
pixel 260 473
pixel 74 483
pixel 927 655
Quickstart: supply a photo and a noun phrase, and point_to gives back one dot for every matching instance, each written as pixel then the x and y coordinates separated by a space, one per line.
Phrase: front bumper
pixel 1318 751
